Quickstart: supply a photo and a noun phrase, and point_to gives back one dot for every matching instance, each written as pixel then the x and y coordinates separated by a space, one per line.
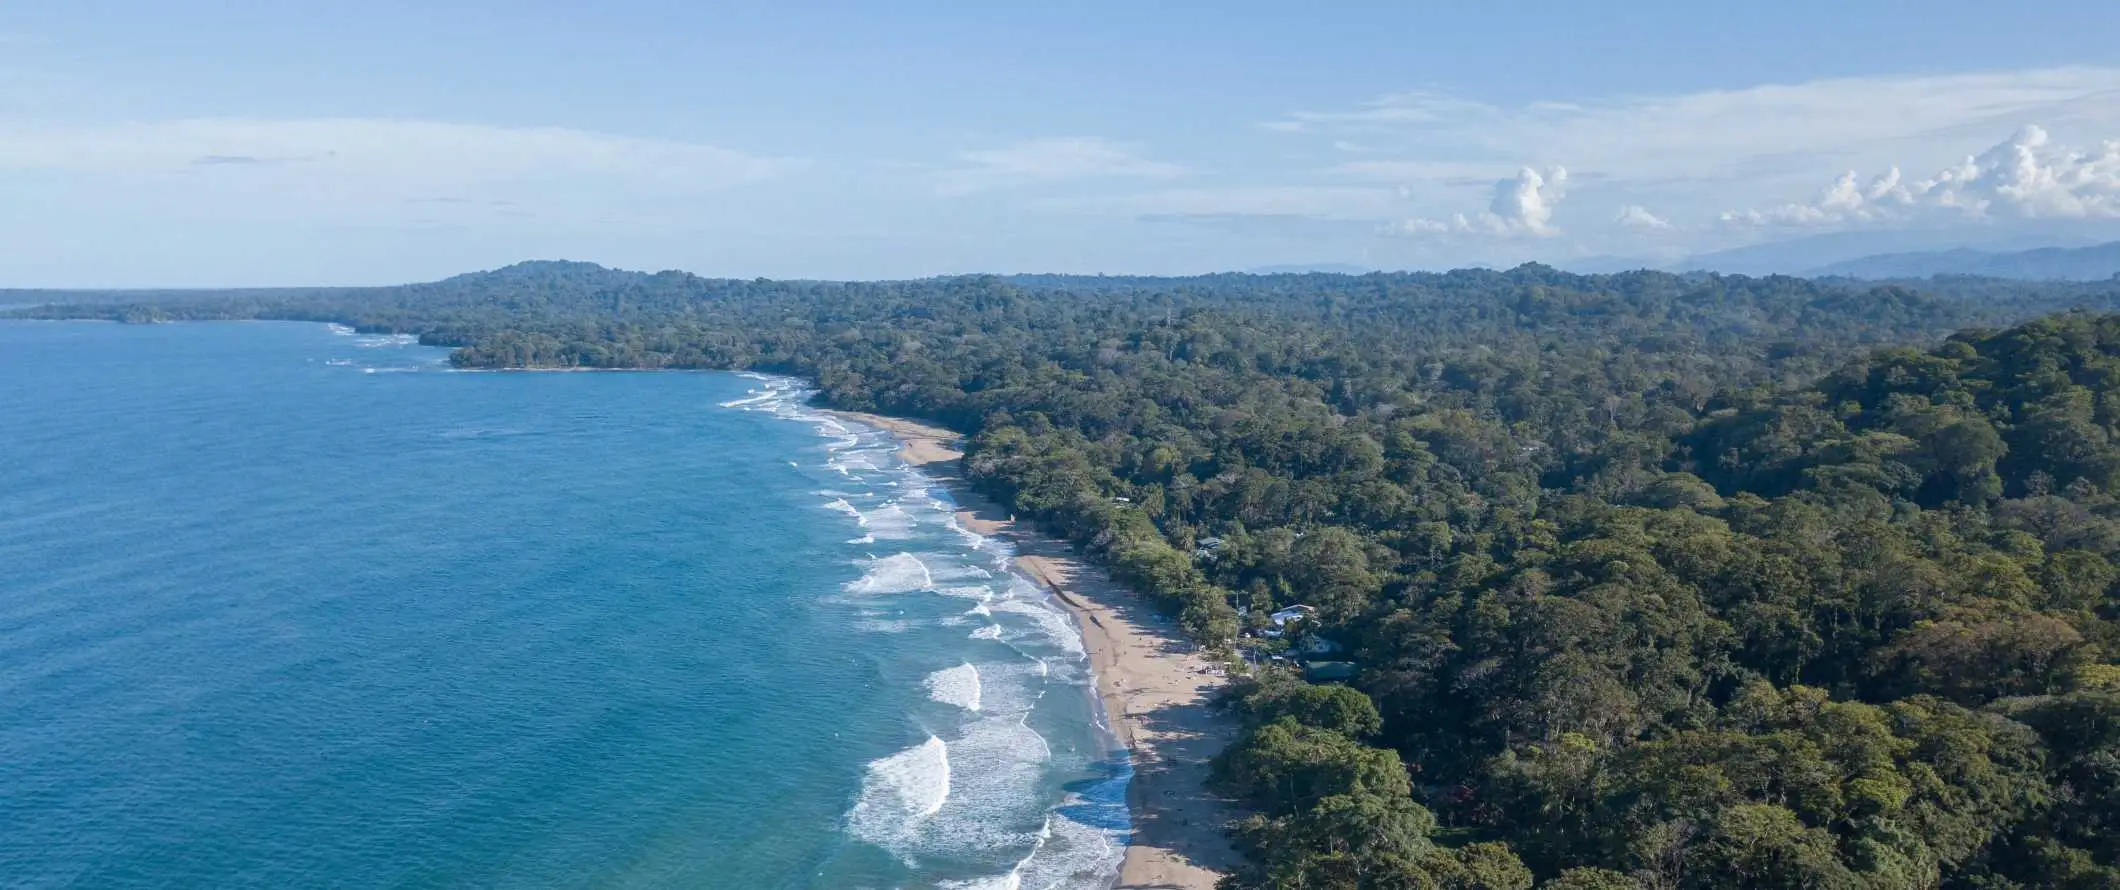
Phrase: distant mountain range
pixel 2079 250
pixel 2094 263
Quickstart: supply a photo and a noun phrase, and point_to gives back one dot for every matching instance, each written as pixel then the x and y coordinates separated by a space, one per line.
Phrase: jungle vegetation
pixel 1650 580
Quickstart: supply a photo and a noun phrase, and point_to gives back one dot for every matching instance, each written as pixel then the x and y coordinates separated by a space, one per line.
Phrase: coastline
pixel 1154 686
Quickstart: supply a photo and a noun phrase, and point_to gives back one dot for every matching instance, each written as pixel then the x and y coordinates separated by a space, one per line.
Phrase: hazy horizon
pixel 146 145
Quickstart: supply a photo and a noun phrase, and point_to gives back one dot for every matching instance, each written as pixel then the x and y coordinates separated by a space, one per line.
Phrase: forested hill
pixel 1646 580
pixel 2095 263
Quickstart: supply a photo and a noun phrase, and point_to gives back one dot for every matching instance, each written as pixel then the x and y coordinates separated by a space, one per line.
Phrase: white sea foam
pixel 959 571
pixel 340 330
pixel 972 539
pixel 780 396
pixel 978 592
pixel 975 794
pixel 1052 625
pixel 1071 854
pixel 1009 687
pixel 956 686
pixel 899 792
pixel 998 760
pixel 987 780
pixel 849 463
pixel 755 397
pixel 898 573
pixel 889 521
pixel 1011 881
pixel 977 791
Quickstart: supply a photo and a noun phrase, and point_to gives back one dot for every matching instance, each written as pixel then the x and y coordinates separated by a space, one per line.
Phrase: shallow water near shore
pixel 287 605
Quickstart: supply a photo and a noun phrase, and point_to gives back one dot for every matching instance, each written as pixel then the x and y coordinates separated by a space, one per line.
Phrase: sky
pixel 246 142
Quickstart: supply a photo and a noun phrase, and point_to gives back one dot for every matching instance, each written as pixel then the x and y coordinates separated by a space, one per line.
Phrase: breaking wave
pixel 900 573
pixel 987 789
pixel 956 686
pixel 901 791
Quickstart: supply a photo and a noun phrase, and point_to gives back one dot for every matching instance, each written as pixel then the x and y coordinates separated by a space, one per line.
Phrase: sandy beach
pixel 1154 686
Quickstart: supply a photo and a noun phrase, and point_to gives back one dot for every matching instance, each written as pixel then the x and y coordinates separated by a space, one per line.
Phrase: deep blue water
pixel 281 605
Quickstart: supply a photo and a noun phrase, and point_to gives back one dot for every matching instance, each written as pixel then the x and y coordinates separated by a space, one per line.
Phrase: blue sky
pixel 198 144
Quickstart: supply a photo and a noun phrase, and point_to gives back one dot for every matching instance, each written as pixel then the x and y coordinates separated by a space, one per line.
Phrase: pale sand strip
pixel 1155 688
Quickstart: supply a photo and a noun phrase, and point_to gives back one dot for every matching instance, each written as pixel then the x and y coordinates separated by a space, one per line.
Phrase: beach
pixel 1155 688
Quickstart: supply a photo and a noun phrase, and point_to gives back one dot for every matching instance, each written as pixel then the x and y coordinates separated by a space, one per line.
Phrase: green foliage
pixel 1286 767
pixel 1330 707
pixel 1591 879
pixel 1651 581
pixel 1357 840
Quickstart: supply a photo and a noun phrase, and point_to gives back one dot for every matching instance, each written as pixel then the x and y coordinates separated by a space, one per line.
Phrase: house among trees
pixel 1282 620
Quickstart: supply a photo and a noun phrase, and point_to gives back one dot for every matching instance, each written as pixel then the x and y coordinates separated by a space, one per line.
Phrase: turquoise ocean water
pixel 282 605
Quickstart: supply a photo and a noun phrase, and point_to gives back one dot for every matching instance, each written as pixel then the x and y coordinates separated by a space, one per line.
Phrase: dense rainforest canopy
pixel 1648 580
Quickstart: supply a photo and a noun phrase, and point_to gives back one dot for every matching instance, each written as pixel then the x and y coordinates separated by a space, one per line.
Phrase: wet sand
pixel 1154 685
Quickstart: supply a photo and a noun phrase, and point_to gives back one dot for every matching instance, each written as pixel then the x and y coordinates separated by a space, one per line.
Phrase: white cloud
pixel 365 168
pixel 1412 163
pixel 1693 155
pixel 1635 216
pixel 1522 205
pixel 1050 160
pixel 1713 133
pixel 2024 177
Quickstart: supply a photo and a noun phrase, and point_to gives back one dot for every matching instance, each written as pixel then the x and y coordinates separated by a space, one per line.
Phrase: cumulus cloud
pixel 2024 177
pixel 1635 216
pixel 1050 160
pixel 1693 155
pixel 1522 205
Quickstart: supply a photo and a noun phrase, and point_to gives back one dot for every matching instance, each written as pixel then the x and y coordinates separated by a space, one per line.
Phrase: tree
pixel 1335 708
pixel 1287 767
pixel 1695 579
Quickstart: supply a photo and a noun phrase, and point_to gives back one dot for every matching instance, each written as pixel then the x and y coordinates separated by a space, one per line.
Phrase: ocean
pixel 283 605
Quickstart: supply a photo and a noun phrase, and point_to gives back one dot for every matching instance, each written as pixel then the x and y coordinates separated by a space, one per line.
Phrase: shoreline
pixel 1154 685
